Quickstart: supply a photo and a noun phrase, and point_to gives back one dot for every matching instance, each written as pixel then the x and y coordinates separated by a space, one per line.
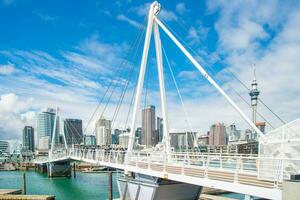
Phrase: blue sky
pixel 65 53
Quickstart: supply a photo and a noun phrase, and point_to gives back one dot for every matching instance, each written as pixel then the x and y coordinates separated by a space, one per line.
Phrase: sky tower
pixel 254 92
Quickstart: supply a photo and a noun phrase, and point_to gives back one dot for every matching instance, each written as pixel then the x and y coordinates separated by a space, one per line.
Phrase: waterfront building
pixel 4 147
pixel 103 132
pixel 28 138
pixel 44 143
pixel 45 125
pixel 115 136
pixel 217 134
pixel 148 127
pixel 159 128
pixel 182 140
pixel 203 140
pixel 124 139
pixel 89 140
pixel 138 135
pixel 233 134
pixel 73 131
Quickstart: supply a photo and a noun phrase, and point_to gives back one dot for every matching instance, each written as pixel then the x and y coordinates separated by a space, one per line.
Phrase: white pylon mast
pixel 154 10
pixel 53 132
pixel 166 139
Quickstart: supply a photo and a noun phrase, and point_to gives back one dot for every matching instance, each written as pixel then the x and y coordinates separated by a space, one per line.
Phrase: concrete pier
pixel 59 169
pixel 152 188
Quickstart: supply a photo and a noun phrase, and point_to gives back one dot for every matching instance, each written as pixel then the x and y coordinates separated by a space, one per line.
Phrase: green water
pixel 89 186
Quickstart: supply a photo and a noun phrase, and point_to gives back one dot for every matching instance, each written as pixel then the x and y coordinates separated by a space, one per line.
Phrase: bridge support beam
pixel 151 188
pixel 42 168
pixel 59 169
pixel 290 190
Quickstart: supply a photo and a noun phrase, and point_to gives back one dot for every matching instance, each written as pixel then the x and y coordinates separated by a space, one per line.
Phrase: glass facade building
pixel 45 125
pixel 28 138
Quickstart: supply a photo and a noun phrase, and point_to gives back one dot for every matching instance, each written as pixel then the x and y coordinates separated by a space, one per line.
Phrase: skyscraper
pixel 148 127
pixel 232 133
pixel 89 140
pixel 73 131
pixel 159 128
pixel 217 134
pixel 45 125
pixel 115 136
pixel 103 132
pixel 4 147
pixel 124 139
pixel 182 140
pixel 28 138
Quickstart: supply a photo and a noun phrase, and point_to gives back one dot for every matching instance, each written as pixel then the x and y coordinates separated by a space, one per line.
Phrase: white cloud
pixel 14 115
pixel 75 82
pixel 188 74
pixel 197 34
pixel 241 23
pixel 244 41
pixel 129 21
pixel 241 36
pixel 7 69
pixel 181 8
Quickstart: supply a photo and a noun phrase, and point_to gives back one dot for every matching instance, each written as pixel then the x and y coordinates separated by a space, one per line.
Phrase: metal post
pixel 24 184
pixel 162 87
pixel 110 187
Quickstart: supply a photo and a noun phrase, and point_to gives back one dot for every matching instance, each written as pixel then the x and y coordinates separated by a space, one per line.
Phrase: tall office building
pixel 182 140
pixel 45 125
pixel 233 134
pixel 28 138
pixel 159 128
pixel 217 134
pixel 103 132
pixel 115 136
pixel 4 147
pixel 148 127
pixel 124 139
pixel 89 140
pixel 73 131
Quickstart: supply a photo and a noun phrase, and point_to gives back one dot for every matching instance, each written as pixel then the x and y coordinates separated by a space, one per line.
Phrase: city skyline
pixel 51 65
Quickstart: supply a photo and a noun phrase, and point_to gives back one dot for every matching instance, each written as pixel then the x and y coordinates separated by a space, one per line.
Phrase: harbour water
pixel 90 186
pixel 86 186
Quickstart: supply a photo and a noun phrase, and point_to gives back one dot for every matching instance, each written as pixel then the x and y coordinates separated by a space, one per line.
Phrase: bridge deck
pixel 232 173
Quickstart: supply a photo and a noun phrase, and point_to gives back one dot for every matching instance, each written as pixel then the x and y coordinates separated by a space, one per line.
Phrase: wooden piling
pixel 24 184
pixel 110 188
pixel 74 170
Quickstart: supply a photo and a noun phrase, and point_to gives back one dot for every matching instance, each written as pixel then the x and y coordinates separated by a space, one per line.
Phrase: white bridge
pixel 261 176
pixel 236 173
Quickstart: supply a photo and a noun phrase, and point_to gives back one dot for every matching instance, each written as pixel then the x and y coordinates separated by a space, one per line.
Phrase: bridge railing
pixel 236 165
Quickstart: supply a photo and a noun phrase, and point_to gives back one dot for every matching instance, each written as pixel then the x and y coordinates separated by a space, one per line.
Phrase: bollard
pixel 24 184
pixel 110 188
